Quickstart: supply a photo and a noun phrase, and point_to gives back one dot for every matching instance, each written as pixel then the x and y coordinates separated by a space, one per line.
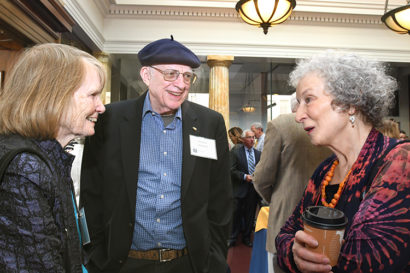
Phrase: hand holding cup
pixel 306 260
pixel 327 226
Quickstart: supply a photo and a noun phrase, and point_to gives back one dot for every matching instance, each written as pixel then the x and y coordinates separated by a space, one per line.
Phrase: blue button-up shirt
pixel 158 220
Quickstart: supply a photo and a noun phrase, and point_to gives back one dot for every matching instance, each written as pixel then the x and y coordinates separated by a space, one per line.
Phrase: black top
pixel 330 192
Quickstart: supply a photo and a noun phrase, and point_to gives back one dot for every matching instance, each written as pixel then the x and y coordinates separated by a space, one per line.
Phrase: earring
pixel 352 119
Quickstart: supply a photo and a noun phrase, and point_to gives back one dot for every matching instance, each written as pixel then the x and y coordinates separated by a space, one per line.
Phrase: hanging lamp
pixel 398 19
pixel 248 108
pixel 265 13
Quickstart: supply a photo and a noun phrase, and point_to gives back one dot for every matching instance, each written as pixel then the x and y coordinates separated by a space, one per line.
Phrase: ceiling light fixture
pixel 398 19
pixel 248 108
pixel 265 13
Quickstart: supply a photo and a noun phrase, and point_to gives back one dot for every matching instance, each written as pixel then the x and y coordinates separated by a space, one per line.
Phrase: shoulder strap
pixel 9 156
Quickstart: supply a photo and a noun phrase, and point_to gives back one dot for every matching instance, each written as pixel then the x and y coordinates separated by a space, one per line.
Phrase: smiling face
pixel 165 96
pixel 82 113
pixel 322 121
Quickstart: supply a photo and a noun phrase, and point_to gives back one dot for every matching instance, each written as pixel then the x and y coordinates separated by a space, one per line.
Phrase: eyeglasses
pixel 250 137
pixel 172 75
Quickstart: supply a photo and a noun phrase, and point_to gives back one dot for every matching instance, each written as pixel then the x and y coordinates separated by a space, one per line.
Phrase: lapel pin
pixel 194 128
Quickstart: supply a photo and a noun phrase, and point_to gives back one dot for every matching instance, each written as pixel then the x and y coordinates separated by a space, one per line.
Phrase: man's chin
pixel 173 107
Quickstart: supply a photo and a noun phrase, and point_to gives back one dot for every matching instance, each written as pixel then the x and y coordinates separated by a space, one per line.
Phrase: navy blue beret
pixel 167 51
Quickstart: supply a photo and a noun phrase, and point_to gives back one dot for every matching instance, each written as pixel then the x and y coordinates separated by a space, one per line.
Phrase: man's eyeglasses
pixel 250 137
pixel 172 75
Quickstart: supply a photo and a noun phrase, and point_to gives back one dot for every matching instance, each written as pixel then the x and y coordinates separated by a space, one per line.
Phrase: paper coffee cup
pixel 327 226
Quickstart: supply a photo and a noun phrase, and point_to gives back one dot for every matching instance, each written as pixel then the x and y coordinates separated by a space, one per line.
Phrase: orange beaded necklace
pixel 326 181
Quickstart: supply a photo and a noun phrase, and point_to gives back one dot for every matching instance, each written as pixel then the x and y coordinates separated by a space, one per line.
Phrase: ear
pixel 145 74
pixel 351 110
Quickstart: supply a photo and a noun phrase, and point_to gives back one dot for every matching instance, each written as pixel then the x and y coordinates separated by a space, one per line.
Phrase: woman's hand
pixel 306 260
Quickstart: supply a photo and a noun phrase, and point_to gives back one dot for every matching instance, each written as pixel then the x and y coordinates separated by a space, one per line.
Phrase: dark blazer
pixel 109 183
pixel 239 168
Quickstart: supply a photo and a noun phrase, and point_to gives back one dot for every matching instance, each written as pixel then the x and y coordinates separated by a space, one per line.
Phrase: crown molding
pixel 178 3
pixel 340 6
pixel 104 6
pixel 312 14
pixel 172 12
pixel 173 7
pixel 141 13
pixel 344 17
pixel 339 19
pixel 84 21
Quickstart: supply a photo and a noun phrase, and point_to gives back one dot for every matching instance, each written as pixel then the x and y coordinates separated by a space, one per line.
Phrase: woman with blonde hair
pixel 234 134
pixel 51 96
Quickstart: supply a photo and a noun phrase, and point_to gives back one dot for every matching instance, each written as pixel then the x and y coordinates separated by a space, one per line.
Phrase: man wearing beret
pixel 155 180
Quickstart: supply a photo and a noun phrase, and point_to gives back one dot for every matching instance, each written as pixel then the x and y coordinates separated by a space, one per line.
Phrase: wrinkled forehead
pixel 179 67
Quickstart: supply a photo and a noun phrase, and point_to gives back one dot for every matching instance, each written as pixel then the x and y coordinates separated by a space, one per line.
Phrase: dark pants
pixel 178 265
pixel 244 214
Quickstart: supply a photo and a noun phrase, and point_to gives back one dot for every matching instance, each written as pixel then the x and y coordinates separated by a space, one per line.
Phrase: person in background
pixel 287 162
pixel 244 159
pixel 155 179
pixel 389 128
pixel 342 98
pixel 51 96
pixel 257 129
pixel 402 135
pixel 235 137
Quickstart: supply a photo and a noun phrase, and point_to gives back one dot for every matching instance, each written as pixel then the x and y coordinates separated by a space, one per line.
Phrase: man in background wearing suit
pixel 257 129
pixel 155 178
pixel 244 159
pixel 287 162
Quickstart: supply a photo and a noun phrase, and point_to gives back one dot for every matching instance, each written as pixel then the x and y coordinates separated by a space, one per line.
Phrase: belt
pixel 160 254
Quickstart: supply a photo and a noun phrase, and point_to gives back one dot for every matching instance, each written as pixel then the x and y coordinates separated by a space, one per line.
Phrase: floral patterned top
pixel 376 200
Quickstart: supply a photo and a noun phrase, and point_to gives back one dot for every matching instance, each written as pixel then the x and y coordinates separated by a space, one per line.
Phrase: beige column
pixel 104 58
pixel 219 84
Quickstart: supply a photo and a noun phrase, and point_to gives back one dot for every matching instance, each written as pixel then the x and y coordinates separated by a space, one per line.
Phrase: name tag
pixel 203 147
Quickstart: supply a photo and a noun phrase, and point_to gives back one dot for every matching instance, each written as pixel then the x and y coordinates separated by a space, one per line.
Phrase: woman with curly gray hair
pixel 342 98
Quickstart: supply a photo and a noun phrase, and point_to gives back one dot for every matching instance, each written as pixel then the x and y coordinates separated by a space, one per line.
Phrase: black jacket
pixel 239 168
pixel 38 232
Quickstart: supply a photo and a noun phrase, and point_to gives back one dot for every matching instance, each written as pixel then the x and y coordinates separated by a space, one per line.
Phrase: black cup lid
pixel 324 217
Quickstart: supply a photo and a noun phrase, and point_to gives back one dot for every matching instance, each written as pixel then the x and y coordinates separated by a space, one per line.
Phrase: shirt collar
pixel 148 108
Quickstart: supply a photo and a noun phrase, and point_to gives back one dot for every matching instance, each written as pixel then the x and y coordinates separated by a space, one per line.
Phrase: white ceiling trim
pixel 341 6
pixel 85 22
pixel 131 24
pixel 369 7
pixel 232 15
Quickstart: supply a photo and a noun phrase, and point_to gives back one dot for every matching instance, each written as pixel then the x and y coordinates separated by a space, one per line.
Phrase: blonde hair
pixel 390 128
pixel 39 89
pixel 235 135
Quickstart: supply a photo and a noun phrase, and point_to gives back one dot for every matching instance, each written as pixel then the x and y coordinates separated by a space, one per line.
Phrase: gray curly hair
pixel 352 81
